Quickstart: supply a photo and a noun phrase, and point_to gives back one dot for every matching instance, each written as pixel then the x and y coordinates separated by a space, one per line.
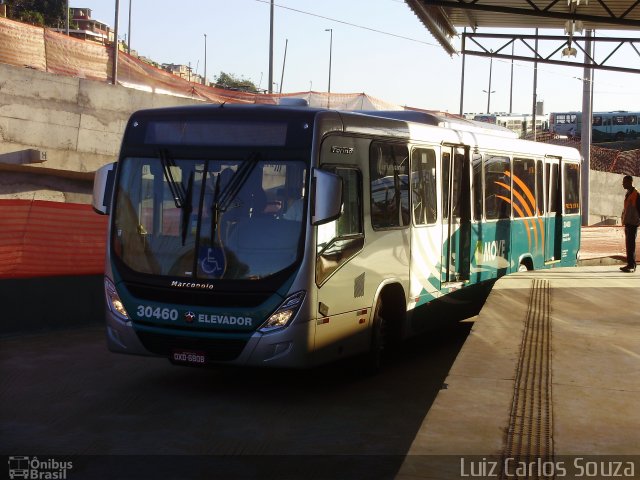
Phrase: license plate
pixel 189 357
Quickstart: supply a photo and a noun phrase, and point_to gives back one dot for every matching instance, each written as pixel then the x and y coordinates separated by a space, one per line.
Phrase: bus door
pixel 343 295
pixel 426 237
pixel 456 218
pixel 553 217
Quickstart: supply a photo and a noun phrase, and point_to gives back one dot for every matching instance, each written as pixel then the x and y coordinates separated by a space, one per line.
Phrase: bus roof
pixel 432 129
pixel 400 124
pixel 413 116
pixel 445 121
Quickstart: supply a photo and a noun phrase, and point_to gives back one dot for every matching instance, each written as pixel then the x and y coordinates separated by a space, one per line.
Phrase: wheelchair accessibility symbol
pixel 211 261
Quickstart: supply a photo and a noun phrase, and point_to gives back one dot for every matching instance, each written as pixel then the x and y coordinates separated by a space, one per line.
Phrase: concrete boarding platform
pixel 551 368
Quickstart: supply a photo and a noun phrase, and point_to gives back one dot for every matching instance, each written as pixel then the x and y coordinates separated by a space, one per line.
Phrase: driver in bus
pixel 293 205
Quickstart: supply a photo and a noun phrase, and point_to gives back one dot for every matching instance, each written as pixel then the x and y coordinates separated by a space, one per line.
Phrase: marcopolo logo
pixel 194 285
pixel 38 469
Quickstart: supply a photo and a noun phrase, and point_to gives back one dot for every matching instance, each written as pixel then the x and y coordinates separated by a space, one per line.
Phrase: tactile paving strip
pixel 529 437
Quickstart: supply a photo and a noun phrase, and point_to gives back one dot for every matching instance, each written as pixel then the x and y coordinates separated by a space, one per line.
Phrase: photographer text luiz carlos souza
pixel 575 467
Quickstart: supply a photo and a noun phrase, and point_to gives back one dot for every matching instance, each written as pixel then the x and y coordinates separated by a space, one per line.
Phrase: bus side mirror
pixel 103 189
pixel 327 197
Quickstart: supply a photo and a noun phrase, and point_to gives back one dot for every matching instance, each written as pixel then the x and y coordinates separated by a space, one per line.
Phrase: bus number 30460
pixel 157 312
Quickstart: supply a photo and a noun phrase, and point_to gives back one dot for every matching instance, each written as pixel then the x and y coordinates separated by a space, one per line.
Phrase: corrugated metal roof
pixel 439 15
pixel 594 14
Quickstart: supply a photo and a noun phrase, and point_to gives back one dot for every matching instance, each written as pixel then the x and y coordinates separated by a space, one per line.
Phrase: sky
pixel 378 47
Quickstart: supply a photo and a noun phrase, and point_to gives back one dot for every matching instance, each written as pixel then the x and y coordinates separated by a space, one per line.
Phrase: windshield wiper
pixel 176 188
pixel 215 210
pixel 237 181
pixel 181 198
pixel 186 209
pixel 222 200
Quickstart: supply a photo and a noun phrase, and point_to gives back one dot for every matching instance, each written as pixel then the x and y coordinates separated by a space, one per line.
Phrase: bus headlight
pixel 113 300
pixel 285 312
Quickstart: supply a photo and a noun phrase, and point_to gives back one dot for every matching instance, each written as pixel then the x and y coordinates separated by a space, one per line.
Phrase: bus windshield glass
pixel 231 219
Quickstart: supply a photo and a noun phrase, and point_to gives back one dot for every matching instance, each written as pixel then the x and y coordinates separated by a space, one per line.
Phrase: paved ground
pixel 63 394
pixel 551 369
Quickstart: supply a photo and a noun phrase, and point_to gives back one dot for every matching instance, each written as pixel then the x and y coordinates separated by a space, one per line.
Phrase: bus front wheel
pixel 374 359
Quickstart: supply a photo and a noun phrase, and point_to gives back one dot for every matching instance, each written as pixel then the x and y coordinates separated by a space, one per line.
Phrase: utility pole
pixel 511 88
pixel 115 46
pixel 205 59
pixel 535 92
pixel 587 119
pixel 330 30
pixel 489 91
pixel 464 57
pixel 271 49
pixel 129 33
pixel 286 43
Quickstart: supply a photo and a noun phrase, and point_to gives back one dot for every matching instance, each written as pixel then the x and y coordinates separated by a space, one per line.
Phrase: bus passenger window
pixel 423 186
pixel 458 162
pixel 524 184
pixel 455 202
pixel 552 187
pixel 540 187
pixel 571 188
pixel 446 167
pixel 497 195
pixel 389 174
pixel 477 187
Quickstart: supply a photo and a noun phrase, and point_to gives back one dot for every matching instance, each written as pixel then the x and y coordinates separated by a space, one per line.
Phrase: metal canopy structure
pixel 443 17
pixel 595 14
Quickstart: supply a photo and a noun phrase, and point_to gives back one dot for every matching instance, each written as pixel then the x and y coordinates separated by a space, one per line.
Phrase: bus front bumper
pixel 290 347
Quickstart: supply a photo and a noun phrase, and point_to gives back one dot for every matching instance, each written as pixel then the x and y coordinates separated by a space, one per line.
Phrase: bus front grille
pixel 197 298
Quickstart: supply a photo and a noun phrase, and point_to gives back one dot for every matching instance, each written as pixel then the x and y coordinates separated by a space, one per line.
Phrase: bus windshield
pixel 231 219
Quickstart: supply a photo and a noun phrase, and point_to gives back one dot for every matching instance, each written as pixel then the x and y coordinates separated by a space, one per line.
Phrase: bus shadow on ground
pixel 335 409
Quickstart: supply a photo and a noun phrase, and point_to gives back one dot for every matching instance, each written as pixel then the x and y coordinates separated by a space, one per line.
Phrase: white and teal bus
pixel 293 236
pixel 605 126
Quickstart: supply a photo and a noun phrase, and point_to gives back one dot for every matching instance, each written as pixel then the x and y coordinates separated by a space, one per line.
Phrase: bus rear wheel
pixel 524 267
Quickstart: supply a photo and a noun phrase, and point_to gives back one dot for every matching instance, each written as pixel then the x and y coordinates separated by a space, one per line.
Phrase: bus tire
pixel 374 358
pixel 619 136
pixel 525 265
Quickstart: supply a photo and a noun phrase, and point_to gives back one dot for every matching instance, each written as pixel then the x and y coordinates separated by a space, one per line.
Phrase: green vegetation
pixel 231 82
pixel 45 13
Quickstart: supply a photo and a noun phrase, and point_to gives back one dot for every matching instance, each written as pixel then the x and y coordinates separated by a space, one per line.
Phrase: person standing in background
pixel 630 220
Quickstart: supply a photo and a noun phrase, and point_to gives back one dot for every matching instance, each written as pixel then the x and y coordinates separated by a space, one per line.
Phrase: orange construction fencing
pixel 43 49
pixel 40 238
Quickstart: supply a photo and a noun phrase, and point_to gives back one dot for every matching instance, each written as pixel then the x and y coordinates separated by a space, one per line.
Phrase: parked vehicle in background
pixel 606 126
pixel 521 124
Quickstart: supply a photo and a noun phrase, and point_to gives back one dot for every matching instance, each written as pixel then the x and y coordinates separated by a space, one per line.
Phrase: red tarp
pixel 39 238
pixel 76 58
pixel 22 45
pixel 44 49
